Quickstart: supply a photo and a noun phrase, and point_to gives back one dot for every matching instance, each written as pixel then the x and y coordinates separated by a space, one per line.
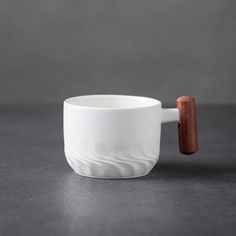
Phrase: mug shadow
pixel 193 171
pixel 169 170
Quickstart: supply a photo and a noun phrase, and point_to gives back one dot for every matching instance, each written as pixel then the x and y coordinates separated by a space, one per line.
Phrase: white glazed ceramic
pixel 113 136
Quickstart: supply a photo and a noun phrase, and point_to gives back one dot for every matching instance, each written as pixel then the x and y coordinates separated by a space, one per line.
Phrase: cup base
pixel 110 177
pixel 111 169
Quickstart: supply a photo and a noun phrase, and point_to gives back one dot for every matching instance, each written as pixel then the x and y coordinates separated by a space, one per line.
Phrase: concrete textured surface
pixel 183 195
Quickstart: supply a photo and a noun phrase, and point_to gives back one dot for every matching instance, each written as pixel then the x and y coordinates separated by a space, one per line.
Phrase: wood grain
pixel 187 128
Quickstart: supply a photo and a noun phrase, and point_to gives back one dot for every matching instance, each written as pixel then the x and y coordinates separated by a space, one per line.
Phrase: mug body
pixel 112 136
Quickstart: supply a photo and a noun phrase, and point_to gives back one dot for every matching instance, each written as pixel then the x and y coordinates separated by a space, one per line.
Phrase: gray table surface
pixel 183 195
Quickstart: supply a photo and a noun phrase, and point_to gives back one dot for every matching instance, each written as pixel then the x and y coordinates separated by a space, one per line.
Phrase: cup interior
pixel 112 101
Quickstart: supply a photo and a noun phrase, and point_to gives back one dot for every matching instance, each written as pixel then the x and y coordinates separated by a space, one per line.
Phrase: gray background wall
pixel 52 49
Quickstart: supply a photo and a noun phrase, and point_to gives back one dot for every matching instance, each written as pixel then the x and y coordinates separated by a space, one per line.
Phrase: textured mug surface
pixel 113 136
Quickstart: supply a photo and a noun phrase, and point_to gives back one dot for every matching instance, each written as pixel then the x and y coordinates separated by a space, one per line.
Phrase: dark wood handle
pixel 188 143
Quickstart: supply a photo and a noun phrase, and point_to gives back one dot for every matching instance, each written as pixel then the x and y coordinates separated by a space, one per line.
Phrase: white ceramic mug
pixel 117 136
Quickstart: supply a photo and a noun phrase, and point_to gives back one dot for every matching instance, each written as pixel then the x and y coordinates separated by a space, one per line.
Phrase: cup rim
pixel 145 102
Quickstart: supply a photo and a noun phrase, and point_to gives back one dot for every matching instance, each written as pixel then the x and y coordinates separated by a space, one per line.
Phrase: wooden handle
pixel 187 127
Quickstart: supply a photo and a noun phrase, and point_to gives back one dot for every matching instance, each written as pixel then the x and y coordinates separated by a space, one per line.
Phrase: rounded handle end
pixel 187 128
